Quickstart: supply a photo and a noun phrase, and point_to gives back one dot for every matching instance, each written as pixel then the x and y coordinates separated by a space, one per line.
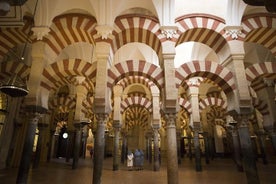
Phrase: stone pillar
pixel 172 165
pixel 84 141
pixel 76 153
pixel 178 139
pixel 249 161
pixel 23 171
pixel 156 166
pixel 124 146
pixel 237 150
pixel 193 84
pixel 99 148
pixel 41 128
pixel 149 146
pixel 197 148
pixel 207 149
pixel 189 137
pixel 267 95
pixel 8 129
pixel 116 156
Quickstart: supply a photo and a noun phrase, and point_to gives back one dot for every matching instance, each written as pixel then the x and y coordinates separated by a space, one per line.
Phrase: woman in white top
pixel 130 158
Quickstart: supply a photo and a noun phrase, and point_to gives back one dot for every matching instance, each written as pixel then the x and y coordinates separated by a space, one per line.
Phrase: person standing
pixel 130 158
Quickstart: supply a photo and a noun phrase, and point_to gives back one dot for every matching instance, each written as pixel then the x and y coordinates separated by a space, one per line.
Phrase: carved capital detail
pixel 168 31
pixel 170 120
pixel 40 32
pixel 234 31
pixel 104 31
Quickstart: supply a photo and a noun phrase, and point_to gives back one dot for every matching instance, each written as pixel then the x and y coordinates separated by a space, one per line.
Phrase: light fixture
pixel 14 87
pixel 65 135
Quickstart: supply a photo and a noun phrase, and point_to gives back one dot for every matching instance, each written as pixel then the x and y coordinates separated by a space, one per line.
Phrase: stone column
pixel 149 146
pixel 116 156
pixel 193 84
pixel 23 171
pixel 124 146
pixel 156 166
pixel 206 145
pixel 189 137
pixel 178 139
pixel 99 147
pixel 41 128
pixel 172 165
pixel 197 148
pixel 249 161
pixel 76 153
pixel 267 95
pixel 237 150
pixel 8 129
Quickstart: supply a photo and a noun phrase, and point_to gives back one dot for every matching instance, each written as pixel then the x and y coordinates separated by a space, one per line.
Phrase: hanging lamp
pixel 15 87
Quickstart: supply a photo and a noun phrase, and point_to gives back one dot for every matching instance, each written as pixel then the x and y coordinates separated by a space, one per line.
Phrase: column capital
pixel 104 31
pixel 169 31
pixel 269 82
pixel 234 31
pixel 170 120
pixel 40 32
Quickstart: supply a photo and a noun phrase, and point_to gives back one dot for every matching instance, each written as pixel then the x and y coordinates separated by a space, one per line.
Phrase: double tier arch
pixel 206 69
pixel 135 68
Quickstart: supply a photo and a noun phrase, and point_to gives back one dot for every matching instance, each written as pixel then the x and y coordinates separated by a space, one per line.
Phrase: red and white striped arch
pixel 196 20
pixel 11 67
pixel 261 29
pixel 206 69
pixel 185 104
pixel 55 75
pixel 255 74
pixel 261 106
pixel 203 28
pixel 136 100
pixel 135 68
pixel 129 29
pixel 69 29
pixel 67 102
pixel 212 101
pixel 135 79
pixel 11 37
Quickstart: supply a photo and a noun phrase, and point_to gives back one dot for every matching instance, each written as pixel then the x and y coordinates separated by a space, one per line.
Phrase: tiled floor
pixel 219 171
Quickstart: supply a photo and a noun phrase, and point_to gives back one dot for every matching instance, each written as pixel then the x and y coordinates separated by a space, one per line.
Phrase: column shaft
pixel 26 157
pixel 248 156
pixel 99 149
pixel 197 151
pixel 116 155
pixel 172 165
pixel 156 166
pixel 76 147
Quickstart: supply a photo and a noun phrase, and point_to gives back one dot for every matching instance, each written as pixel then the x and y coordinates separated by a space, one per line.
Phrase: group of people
pixel 135 160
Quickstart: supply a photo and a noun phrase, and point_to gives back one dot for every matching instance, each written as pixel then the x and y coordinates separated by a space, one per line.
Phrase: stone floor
pixel 219 171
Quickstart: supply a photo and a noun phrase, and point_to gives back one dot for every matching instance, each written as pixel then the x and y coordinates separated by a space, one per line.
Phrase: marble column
pixel 156 166
pixel 178 139
pixel 124 147
pixel 190 146
pixel 76 153
pixel 41 128
pixel 172 165
pixel 99 147
pixel 26 158
pixel 116 156
pixel 206 145
pixel 249 161
pixel 197 149
pixel 237 150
